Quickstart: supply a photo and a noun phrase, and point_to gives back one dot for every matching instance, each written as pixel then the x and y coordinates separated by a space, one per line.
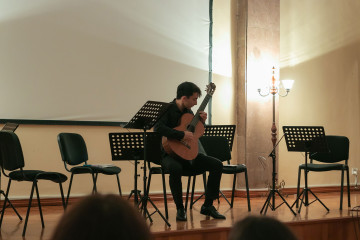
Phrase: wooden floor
pixel 314 222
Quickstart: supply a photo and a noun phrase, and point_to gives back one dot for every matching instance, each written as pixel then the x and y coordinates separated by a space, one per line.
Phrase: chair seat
pixel 231 169
pixel 187 173
pixel 31 175
pixel 323 167
pixel 157 170
pixel 96 169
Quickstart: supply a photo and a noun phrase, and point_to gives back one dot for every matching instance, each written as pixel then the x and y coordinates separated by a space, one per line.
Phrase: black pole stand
pixel 128 146
pixel 270 200
pixel 305 139
pixel 145 119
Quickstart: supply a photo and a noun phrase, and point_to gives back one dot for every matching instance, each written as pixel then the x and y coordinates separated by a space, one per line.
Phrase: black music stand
pixel 273 189
pixel 128 146
pixel 305 139
pixel 145 119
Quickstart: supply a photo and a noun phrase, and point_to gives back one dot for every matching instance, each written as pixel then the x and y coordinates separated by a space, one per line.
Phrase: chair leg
pixel 247 190
pixel 192 192
pixel 187 192
pixel 69 189
pixel 94 177
pixel 12 206
pixel 298 188
pixel 233 192
pixel 148 185
pixel 204 181
pixel 62 195
pixel 39 204
pixel 342 189
pixel 348 185
pixel 165 196
pixel 28 210
pixel 202 195
pixel 5 200
pixel 118 182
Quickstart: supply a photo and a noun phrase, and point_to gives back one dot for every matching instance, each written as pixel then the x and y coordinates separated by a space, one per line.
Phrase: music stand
pixel 128 146
pixel 273 189
pixel 306 139
pixel 145 119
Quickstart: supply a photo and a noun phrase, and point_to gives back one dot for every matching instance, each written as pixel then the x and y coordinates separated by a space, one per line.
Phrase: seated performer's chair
pixel 339 151
pixel 74 152
pixel 218 147
pixel 154 155
pixel 12 160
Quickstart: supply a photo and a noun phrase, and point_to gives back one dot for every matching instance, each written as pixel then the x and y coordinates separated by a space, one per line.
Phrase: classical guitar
pixel 188 150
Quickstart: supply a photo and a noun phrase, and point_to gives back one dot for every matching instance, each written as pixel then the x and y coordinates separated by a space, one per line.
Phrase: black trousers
pixel 179 167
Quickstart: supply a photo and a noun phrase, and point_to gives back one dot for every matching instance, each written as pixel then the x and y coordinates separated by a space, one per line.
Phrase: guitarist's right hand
pixel 188 137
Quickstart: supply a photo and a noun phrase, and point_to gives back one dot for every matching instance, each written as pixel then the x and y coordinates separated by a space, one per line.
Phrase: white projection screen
pixel 98 60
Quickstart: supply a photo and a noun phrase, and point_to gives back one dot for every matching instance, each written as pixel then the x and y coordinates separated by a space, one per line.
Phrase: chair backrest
pixel 153 147
pixel 11 154
pixel 339 150
pixel 72 148
pixel 216 146
pixel 227 131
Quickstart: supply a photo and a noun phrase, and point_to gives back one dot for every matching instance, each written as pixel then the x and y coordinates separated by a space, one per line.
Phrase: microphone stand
pixel 273 190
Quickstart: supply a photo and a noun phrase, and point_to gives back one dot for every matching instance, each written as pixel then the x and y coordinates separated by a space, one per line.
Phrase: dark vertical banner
pixel 210 53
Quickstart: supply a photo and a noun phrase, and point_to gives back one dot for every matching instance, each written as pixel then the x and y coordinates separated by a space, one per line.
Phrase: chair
pixel 338 151
pixel 218 147
pixel 74 152
pixel 12 160
pixel 154 155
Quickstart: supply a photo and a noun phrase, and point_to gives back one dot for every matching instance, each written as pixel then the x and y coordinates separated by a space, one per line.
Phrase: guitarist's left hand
pixel 203 116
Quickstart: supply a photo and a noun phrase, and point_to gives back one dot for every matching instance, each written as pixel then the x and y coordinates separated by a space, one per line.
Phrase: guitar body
pixel 184 150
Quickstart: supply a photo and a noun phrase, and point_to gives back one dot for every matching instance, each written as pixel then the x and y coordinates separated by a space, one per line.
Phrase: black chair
pixel 154 155
pixel 12 160
pixel 338 151
pixel 218 147
pixel 9 127
pixel 74 152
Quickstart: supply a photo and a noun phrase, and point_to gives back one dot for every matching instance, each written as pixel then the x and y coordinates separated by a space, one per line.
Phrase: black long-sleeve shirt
pixel 171 119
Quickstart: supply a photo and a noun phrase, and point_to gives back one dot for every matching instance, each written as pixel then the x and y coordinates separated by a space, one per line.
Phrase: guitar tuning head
pixel 210 88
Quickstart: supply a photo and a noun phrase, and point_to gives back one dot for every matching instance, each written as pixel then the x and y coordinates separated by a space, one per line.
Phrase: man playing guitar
pixel 187 96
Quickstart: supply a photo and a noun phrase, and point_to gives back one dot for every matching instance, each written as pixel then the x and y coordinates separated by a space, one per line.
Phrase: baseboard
pixel 292 191
pixel 159 196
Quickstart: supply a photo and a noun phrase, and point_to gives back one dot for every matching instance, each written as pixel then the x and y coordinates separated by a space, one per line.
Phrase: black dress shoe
pixel 181 215
pixel 211 211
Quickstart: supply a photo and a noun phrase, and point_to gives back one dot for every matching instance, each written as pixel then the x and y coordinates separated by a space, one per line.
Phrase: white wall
pixel 320 50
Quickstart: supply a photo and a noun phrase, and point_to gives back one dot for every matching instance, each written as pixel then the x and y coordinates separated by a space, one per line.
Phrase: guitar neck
pixel 196 118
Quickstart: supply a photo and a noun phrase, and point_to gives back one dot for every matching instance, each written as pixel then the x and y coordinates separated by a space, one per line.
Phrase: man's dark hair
pixel 187 89
pixel 102 217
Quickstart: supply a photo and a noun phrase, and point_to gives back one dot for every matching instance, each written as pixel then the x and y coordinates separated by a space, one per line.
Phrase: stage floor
pixel 203 227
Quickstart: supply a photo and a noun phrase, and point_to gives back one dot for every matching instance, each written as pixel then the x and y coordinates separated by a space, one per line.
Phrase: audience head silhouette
pixel 101 217
pixel 260 228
